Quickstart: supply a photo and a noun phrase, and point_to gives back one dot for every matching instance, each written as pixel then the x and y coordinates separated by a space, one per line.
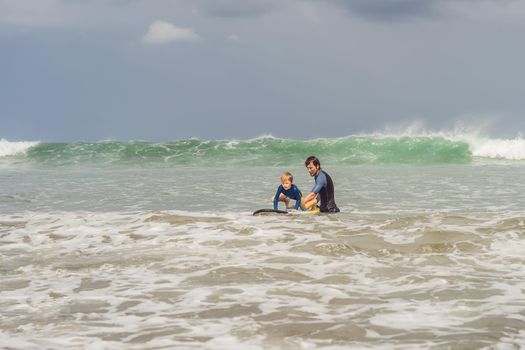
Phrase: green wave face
pixel 258 152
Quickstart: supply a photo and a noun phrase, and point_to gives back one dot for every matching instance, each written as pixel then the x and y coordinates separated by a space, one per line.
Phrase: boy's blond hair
pixel 287 176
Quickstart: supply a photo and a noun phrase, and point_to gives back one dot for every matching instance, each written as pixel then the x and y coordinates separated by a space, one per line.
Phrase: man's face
pixel 312 169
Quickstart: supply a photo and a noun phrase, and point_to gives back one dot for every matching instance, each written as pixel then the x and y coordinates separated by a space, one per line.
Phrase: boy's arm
pixel 298 195
pixel 276 198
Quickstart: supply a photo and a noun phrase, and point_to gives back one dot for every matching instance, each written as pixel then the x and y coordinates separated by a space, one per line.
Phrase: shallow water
pixel 156 256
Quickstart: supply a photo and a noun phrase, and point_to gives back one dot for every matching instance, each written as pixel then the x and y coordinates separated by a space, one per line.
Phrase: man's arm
pixel 320 182
pixel 310 196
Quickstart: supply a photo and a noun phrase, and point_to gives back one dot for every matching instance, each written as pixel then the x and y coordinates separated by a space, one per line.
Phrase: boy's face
pixel 287 184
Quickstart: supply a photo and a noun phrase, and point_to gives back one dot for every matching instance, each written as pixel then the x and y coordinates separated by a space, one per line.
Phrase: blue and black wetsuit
pixel 324 186
pixel 292 193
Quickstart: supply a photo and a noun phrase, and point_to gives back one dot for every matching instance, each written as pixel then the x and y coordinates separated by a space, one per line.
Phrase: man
pixel 323 189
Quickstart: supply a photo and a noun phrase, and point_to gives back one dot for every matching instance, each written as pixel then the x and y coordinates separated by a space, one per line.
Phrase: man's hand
pixel 310 196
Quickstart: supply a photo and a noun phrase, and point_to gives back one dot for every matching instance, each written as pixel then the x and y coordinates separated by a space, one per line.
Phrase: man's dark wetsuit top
pixel 324 186
pixel 292 193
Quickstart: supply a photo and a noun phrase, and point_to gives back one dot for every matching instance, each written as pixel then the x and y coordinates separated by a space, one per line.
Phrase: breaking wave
pixel 268 151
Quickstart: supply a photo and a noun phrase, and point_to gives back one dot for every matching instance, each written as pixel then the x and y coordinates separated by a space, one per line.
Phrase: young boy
pixel 286 191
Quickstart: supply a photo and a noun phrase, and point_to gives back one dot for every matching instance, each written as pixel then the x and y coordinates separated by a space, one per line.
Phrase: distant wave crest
pixel 271 151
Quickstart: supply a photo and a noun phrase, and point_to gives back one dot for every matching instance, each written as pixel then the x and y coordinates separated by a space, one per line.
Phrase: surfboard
pixel 284 212
pixel 269 212
pixel 306 212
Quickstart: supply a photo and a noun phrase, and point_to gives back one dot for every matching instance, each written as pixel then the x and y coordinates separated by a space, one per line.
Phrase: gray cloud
pixel 401 10
pixel 74 12
pixel 238 8
pixel 91 79
pixel 381 10
pixel 391 9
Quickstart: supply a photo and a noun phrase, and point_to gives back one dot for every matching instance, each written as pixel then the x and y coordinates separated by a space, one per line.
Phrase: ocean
pixel 140 245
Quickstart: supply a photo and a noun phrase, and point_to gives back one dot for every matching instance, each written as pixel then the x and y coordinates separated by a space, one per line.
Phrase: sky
pixel 161 70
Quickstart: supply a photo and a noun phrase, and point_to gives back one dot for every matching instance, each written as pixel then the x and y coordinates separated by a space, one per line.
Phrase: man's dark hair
pixel 312 159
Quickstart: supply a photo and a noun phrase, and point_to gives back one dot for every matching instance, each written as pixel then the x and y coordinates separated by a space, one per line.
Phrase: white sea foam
pixel 8 148
pixel 198 280
pixel 511 149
